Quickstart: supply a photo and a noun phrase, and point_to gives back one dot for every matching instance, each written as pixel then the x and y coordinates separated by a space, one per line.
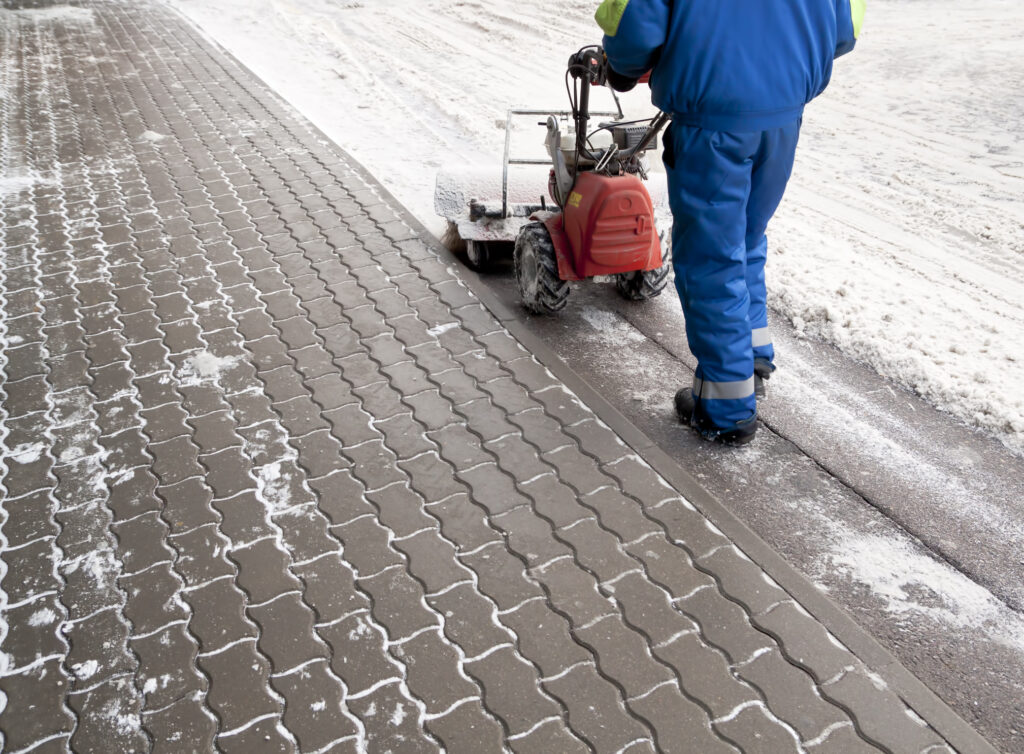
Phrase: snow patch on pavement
pixel 85 670
pixel 101 565
pixel 204 367
pixel 441 329
pixel 25 453
pixel 42 617
pixel 610 326
pixel 911 582
pixel 53 13
pixel 273 486
pixel 15 184
pixel 398 716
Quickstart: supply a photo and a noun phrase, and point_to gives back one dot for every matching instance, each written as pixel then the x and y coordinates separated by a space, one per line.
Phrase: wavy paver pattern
pixel 274 479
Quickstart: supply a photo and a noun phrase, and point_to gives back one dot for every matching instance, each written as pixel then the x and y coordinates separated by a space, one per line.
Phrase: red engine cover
pixel 609 225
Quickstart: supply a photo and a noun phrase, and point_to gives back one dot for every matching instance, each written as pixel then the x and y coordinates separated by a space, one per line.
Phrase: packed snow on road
pixel 901 239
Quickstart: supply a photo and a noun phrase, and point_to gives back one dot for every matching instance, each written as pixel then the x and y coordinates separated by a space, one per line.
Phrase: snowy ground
pixel 901 239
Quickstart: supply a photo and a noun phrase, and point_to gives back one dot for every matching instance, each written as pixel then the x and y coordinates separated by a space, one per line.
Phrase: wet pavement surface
pixel 273 478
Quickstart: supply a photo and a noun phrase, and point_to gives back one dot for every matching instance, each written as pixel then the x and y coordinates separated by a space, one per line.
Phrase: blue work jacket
pixel 730 65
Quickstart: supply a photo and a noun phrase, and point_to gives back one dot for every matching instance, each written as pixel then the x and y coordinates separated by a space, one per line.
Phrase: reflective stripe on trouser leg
pixel 773 164
pixel 722 391
pixel 760 340
pixel 708 195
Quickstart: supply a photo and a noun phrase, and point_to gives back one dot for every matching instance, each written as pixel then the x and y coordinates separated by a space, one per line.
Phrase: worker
pixel 735 76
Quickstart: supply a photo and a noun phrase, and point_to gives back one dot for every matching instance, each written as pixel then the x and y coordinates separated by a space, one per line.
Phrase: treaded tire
pixel 641 285
pixel 536 267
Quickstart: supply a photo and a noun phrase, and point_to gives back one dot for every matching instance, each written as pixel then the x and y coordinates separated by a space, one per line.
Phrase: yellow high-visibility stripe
pixel 609 15
pixel 857 10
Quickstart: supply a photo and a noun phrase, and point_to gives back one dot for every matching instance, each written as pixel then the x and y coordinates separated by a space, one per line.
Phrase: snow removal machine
pixel 601 219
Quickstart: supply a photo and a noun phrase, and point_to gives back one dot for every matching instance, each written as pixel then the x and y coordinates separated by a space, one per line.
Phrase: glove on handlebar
pixel 617 81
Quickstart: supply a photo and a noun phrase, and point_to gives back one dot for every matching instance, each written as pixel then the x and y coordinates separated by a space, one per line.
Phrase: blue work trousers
pixel 723 190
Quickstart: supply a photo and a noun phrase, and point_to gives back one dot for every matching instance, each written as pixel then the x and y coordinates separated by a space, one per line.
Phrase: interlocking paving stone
pixel 791 695
pixel 681 724
pixel 550 735
pixel 649 607
pixel 307 531
pixel 724 624
pixel 316 708
pixel 435 673
pixel 181 725
pixel 596 711
pixel 433 560
pixel 274 479
pixel 751 731
pixel 885 723
pixel 218 616
pixel 623 655
pixel 512 690
pixel 107 719
pixel 468 727
pixel 238 690
pixel 392 721
pixel 545 637
pixel 398 602
pixel 266 734
pixel 469 620
pixel 704 676
pixel 359 654
pixel 598 550
pixel 167 666
pixel 286 632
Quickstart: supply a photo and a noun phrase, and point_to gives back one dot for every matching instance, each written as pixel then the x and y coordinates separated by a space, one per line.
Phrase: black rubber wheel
pixel 478 255
pixel 641 285
pixel 536 266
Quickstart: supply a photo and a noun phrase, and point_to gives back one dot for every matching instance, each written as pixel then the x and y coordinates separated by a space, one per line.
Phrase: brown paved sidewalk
pixel 274 479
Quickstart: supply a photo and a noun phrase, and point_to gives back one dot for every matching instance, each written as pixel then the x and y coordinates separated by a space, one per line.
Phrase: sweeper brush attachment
pixel 470 199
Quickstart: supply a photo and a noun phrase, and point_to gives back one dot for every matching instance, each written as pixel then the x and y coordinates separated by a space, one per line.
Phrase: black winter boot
pixel 762 373
pixel 686 410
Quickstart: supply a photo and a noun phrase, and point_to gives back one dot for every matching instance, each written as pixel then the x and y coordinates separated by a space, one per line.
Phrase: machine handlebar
pixel 591 63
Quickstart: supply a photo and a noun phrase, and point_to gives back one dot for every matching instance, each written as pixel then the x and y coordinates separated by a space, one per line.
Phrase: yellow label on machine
pixel 575 198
